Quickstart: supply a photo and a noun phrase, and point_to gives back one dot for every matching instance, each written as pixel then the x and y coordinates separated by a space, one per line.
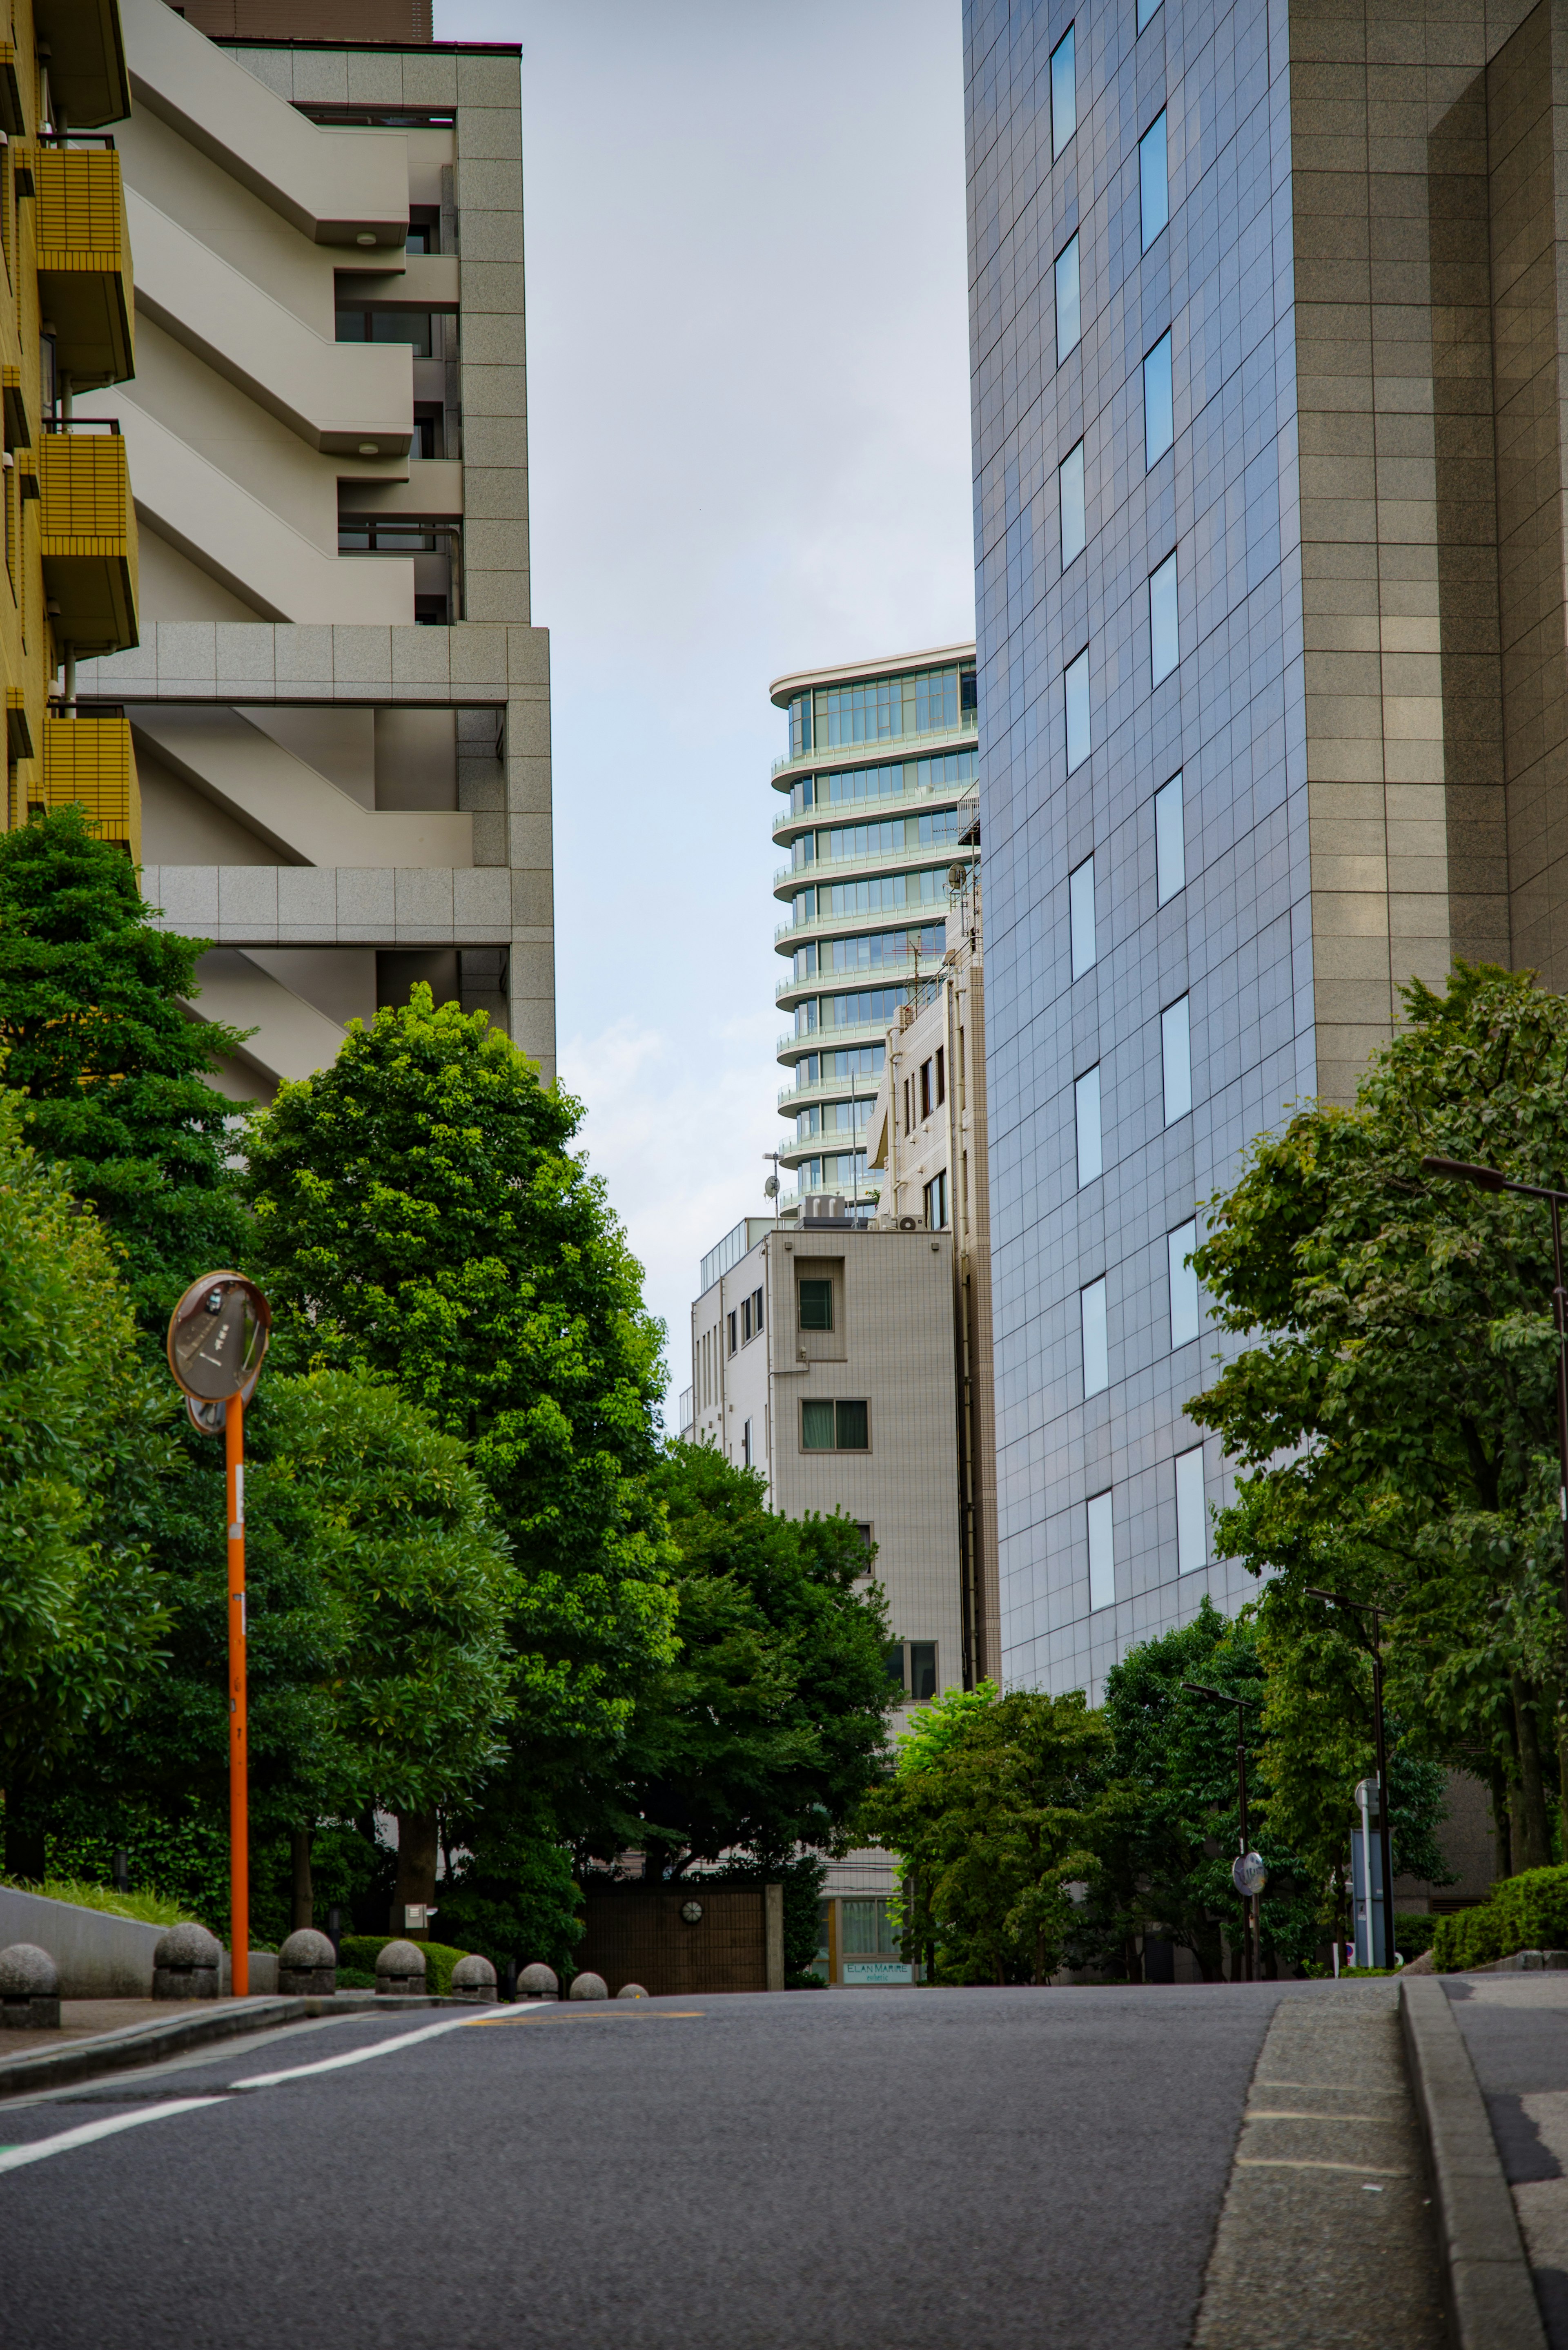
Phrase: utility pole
pixel 1380 1744
pixel 1250 1932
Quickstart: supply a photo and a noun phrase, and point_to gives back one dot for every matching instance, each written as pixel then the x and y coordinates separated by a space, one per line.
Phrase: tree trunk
pixel 1562 1778
pixel 415 1879
pixel 1531 1834
pixel 1501 1825
pixel 304 1893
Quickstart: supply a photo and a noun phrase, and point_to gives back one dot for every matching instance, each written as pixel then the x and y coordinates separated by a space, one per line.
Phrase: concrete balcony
pixel 916 912
pixel 790 990
pixel 919 796
pixel 829 870
pixel 88 538
pixel 872 755
pixel 826 1088
pixel 90 759
pixel 84 262
pixel 792 1047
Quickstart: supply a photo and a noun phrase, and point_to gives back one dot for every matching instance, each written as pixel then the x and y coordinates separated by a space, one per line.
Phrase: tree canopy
pixel 114 1071
pixel 1394 1411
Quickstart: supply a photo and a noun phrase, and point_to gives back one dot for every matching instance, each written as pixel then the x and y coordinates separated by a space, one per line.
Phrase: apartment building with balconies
pixel 69 527
pixel 879 784
pixel 339 704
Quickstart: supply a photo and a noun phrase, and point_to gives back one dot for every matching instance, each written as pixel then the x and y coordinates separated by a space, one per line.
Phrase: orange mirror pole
pixel 239 1809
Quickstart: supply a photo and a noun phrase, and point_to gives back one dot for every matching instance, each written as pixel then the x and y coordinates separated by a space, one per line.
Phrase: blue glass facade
pixel 1132 294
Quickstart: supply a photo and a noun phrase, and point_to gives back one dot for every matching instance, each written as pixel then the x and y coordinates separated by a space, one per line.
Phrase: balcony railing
pixel 89 758
pixel 825 871
pixel 88 536
pixel 889 746
pixel 84 261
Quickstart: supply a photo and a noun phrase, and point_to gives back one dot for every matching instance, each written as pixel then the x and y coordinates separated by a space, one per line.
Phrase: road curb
pixel 148 2043
pixel 1491 2298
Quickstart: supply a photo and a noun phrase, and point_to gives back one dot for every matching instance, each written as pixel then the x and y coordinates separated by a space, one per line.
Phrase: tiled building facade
pixel 1270 291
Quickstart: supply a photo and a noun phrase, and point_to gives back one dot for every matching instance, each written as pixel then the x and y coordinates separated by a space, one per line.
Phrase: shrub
pixel 1529 1912
pixel 149 1909
pixel 1413 1932
pixel 360 1952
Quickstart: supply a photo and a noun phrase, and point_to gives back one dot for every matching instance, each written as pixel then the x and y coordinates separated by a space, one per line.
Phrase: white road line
pixel 359 2055
pixel 1279 2162
pixel 15 2156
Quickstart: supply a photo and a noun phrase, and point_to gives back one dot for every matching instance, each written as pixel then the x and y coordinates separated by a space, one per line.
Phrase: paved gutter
pixel 148 2044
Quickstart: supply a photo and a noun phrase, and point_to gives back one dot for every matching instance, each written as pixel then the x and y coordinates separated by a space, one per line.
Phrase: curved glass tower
pixel 878 788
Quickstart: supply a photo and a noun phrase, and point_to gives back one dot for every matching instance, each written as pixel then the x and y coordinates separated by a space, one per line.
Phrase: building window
pixel 1067 327
pixel 756 1312
pixel 1086 1110
pixel 909 1115
pixel 866 1930
pixel 868 1533
pixel 1070 499
pixel 1102 1554
pixel 1097 1342
pixel 1169 840
pixel 1176 1057
pixel 1063 94
pixel 745 1321
pixel 1191 1513
pixel 1163 649
pixel 815 1305
pixel 1081 915
pixel 829 1424
pixel 1075 686
pixel 1179 1246
pixel 1153 181
pixel 1159 402
pixel 734 1342
pixel 1145 12
pixel 746 1444
pixel 937 1202
pixel 912 1669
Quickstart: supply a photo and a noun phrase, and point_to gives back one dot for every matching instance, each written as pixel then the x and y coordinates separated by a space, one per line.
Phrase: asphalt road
pixel 964 2170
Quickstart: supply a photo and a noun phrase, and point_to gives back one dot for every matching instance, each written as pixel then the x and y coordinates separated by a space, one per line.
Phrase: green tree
pixel 1001 1811
pixel 765 1730
pixel 1394 1413
pixel 114 1071
pixel 417 1212
pixel 83 1440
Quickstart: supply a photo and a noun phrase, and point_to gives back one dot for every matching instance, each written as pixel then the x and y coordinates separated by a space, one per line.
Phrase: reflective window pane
pixel 1179 1246
pixel 1080 916
pixel 1097 1344
pixel 1101 1557
pixel 1067 326
pixel 1169 841
pixel 1086 1113
pixel 1145 12
pixel 1191 1513
pixel 1075 680
pixel 1153 181
pixel 1063 94
pixel 1070 485
pixel 1163 648
pixel 1176 1050
pixel 1159 403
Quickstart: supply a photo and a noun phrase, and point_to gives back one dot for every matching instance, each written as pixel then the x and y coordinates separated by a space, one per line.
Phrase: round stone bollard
pixel 474 1979
pixel 538 1982
pixel 631 1990
pixel 29 1989
pixel 589 1987
pixel 400 1968
pixel 307 1966
pixel 187 1963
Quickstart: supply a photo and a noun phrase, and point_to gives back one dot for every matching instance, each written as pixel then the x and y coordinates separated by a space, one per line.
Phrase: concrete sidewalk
pixel 1515 2027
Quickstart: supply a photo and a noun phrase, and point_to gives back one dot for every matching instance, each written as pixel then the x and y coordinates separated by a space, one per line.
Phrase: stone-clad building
pixel 1273 681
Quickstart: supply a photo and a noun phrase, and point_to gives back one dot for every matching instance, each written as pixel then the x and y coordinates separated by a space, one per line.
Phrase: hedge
pixel 360 1952
pixel 1525 1913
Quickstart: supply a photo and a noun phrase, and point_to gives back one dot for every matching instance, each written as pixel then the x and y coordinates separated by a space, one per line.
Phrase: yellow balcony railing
pixel 84 262
pixel 88 539
pixel 90 759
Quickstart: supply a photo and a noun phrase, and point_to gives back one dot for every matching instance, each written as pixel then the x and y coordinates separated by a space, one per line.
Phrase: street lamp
pixel 1250 1927
pixel 1492 1178
pixel 217 1338
pixel 1384 1806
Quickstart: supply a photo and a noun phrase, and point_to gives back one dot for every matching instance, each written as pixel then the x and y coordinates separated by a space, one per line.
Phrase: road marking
pixel 14 2156
pixel 358 2056
pixel 1284 2114
pixel 607 2016
pixel 1279 2162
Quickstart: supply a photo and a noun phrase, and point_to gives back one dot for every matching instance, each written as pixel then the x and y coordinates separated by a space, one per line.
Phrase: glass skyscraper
pixel 1270 608
pixel 877 790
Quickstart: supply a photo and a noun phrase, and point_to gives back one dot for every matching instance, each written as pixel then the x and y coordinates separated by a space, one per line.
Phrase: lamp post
pixel 1249 1932
pixel 1492 1178
pixel 217 1338
pixel 1384 1806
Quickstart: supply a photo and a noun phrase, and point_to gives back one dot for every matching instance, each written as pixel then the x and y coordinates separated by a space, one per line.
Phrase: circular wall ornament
pixel 691 1911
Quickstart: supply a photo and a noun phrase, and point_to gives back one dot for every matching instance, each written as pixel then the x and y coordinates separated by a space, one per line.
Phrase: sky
pixel 749 436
